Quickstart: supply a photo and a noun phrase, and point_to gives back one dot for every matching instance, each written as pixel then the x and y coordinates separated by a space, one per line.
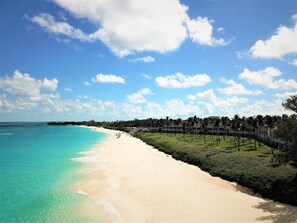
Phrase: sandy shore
pixel 134 182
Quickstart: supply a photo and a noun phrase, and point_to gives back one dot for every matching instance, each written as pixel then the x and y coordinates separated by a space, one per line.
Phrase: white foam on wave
pixel 90 152
pixel 110 209
pixel 82 193
pixel 6 134
pixel 88 159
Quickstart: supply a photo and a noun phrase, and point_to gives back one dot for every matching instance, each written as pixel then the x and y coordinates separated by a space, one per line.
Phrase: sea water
pixel 37 173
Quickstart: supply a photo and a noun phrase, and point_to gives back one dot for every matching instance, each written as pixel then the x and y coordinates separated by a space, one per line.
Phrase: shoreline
pixel 133 181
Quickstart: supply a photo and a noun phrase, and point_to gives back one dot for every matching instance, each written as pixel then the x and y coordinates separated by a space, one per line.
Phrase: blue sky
pixel 116 59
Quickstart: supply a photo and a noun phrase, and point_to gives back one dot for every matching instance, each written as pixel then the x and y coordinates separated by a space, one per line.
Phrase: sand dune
pixel 136 183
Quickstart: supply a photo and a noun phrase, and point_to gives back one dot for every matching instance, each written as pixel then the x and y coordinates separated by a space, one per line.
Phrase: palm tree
pixel 190 125
pixel 217 126
pixel 250 122
pixel 260 124
pixel 184 129
pixel 236 126
pixel 224 122
pixel 195 125
pixel 255 127
pixel 243 127
pixel 270 124
pixel 205 124
pixel 167 123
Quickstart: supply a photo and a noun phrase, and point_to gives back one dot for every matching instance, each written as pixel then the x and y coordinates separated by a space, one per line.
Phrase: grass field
pixel 255 169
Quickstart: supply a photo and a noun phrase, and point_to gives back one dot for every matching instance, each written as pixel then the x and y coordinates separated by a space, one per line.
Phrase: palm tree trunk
pixel 238 141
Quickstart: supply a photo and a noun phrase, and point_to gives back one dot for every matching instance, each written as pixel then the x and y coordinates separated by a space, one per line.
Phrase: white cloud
pixel 282 43
pixel 97 108
pixel 147 59
pixel 200 31
pixel 87 83
pixel 27 91
pixel 216 105
pixel 262 107
pixel 173 108
pixel 285 95
pixel 191 97
pixel 146 76
pixel 176 107
pixel 294 62
pixel 25 85
pixel 266 78
pixel 108 78
pixel 138 97
pixel 62 40
pixel 5 104
pixel 47 22
pixel 236 89
pixel 157 25
pixel 208 94
pixel 179 80
pixel 68 89
pixel 221 29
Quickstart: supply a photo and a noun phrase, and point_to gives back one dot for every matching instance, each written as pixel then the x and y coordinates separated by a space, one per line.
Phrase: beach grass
pixel 255 169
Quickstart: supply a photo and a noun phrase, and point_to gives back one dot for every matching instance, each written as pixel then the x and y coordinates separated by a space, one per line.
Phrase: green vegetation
pixel 124 129
pixel 252 168
pixel 287 131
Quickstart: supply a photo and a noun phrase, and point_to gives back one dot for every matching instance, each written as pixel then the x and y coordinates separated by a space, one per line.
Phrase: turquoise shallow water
pixel 37 174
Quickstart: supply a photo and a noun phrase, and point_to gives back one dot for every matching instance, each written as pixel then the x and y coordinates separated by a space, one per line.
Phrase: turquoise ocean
pixel 37 174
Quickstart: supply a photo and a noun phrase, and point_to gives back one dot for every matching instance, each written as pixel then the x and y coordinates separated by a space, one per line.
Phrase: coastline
pixel 131 181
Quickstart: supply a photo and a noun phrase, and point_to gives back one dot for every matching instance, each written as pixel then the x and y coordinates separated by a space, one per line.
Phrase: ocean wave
pixel 6 134
pixel 82 193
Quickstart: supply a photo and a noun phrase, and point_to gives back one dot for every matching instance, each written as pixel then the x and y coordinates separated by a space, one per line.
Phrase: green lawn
pixel 252 168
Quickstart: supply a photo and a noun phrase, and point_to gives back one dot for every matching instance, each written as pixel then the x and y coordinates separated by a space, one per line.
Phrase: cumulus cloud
pixel 5 104
pixel 158 26
pixel 208 94
pixel 201 32
pixel 49 24
pixel 173 108
pixel 285 95
pixel 267 77
pixel 263 107
pixel 282 43
pixel 176 107
pixel 180 80
pixel 138 97
pixel 293 62
pixel 27 91
pixel 216 105
pixel 236 89
pixel 25 85
pixel 108 78
pixel 147 59
pixel 192 97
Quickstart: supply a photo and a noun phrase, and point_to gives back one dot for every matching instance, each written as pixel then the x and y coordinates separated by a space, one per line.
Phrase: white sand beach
pixel 136 183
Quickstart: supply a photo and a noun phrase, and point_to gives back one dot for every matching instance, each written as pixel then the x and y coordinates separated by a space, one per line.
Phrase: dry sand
pixel 134 182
